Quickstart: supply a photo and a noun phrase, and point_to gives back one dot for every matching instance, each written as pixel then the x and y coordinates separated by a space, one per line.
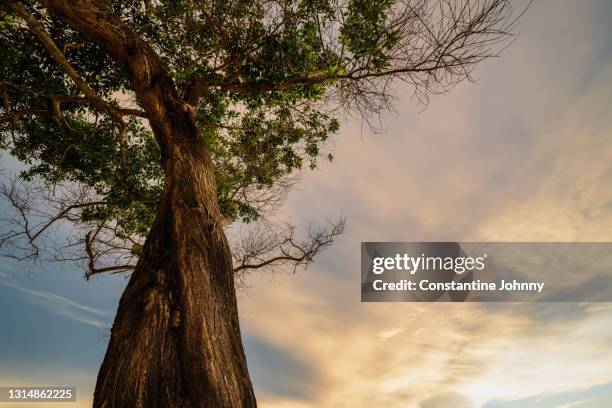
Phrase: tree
pixel 152 125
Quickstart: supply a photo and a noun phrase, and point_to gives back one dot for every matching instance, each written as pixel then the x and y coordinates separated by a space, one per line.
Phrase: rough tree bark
pixel 176 339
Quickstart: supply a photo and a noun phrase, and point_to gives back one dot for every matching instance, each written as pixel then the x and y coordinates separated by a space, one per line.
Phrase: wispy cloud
pixel 61 305
pixel 523 155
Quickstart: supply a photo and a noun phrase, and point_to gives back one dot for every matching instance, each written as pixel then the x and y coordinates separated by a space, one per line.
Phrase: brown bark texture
pixel 175 341
pixel 176 338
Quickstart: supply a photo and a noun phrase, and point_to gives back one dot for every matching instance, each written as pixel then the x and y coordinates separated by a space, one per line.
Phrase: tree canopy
pixel 267 82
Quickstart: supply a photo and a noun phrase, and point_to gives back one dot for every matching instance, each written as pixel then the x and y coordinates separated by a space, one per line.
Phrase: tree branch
pixel 263 247
pixel 59 99
pixel 92 270
pixel 46 40
pixel 143 67
pixel 97 246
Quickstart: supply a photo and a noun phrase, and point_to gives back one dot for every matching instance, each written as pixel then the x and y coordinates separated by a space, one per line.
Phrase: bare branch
pixel 91 256
pixel 39 212
pixel 100 248
pixel 264 246
pixel 440 43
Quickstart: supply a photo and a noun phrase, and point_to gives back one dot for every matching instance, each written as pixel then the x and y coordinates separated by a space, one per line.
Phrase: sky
pixel 523 154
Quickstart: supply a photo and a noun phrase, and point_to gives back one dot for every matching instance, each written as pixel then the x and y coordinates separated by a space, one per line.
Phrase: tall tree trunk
pixel 176 339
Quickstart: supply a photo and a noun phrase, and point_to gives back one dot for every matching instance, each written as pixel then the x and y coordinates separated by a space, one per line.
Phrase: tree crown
pixel 266 80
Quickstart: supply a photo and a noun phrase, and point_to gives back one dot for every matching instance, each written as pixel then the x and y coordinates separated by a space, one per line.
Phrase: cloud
pixel 562 175
pixel 446 400
pixel 522 155
pixel 481 352
pixel 433 348
pixel 598 396
pixel 61 305
pixel 277 371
